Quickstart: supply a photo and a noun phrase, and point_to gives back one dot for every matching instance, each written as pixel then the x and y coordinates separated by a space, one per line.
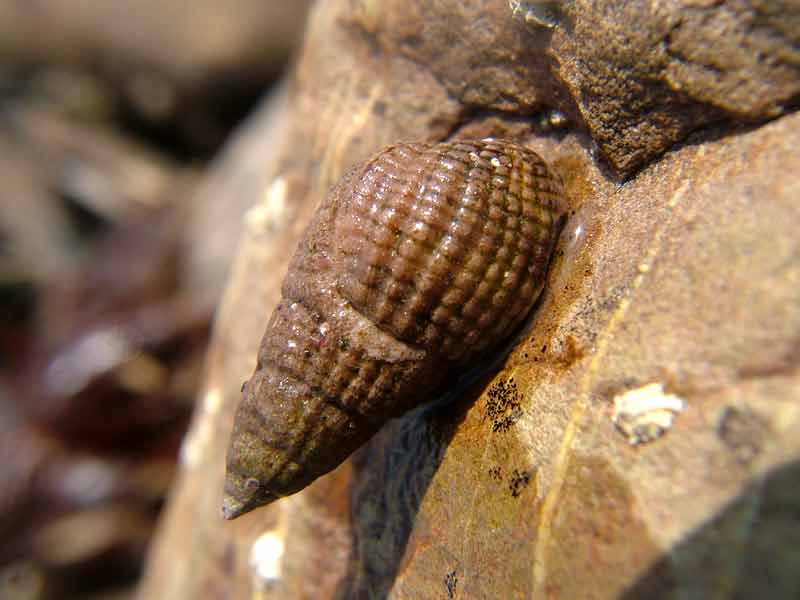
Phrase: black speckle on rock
pixel 519 481
pixel 503 405
pixel 450 583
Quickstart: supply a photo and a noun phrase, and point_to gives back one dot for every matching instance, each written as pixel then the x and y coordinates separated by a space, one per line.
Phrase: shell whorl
pixel 416 263
pixel 446 245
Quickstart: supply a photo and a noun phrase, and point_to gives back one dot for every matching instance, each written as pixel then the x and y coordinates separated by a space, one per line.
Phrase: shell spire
pixel 418 262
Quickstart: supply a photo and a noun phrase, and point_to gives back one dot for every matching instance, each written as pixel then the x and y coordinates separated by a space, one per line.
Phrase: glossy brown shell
pixel 445 246
pixel 417 263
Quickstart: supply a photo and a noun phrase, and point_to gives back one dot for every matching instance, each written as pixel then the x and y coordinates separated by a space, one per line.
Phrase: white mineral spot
pixel 557 119
pixel 200 434
pixel 271 214
pixel 536 12
pixel 266 555
pixel 646 413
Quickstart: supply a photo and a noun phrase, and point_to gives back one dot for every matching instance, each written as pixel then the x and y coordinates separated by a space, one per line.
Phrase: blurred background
pixel 114 245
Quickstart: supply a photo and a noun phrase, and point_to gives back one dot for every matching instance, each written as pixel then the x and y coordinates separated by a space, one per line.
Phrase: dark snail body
pixel 416 263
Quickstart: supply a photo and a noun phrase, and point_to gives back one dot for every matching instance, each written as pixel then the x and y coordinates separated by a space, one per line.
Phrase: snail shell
pixel 416 263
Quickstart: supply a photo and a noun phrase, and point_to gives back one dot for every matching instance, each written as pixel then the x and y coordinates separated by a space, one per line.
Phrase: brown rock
pixel 686 276
pixel 638 79
pixel 643 77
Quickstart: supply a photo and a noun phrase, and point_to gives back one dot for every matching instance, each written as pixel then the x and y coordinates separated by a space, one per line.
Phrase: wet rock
pixel 684 278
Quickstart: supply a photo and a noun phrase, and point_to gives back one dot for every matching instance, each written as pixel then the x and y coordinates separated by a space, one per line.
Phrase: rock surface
pixel 672 305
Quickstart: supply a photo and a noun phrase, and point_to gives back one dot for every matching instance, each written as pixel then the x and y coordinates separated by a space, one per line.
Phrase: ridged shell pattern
pixel 446 245
pixel 416 262
pixel 320 397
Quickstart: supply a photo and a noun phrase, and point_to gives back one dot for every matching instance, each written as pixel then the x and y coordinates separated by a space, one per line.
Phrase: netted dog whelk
pixel 416 265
